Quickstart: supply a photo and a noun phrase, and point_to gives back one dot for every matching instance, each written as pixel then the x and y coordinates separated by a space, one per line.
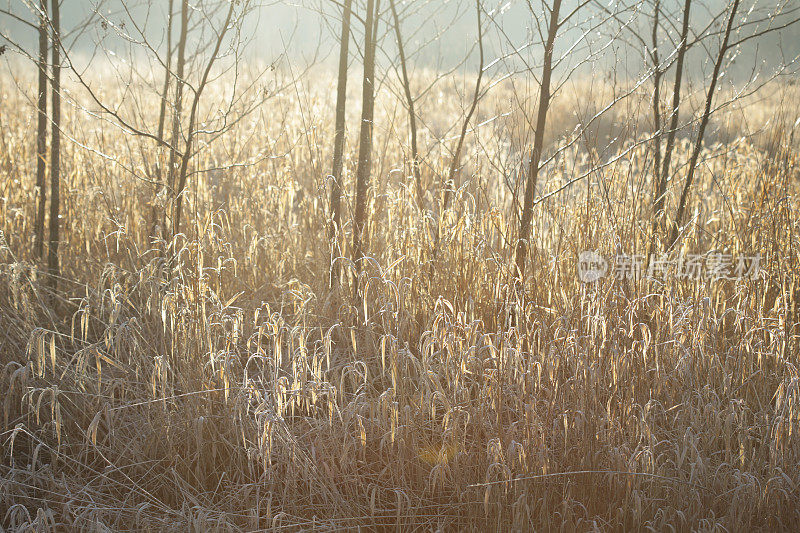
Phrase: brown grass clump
pixel 227 389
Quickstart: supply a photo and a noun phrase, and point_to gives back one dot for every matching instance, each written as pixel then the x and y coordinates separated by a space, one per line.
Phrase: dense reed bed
pixel 214 382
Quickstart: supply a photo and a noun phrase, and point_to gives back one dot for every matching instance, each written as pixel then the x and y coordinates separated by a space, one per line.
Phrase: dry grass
pixel 235 392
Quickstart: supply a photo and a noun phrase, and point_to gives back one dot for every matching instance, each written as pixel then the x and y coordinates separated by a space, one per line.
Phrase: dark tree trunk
pixel 178 106
pixel 41 133
pixel 190 132
pixel 338 143
pixel 657 72
pixel 449 183
pixel 657 122
pixel 365 141
pixel 698 145
pixel 162 112
pixel 661 187
pixel 55 152
pixel 412 116
pixel 538 142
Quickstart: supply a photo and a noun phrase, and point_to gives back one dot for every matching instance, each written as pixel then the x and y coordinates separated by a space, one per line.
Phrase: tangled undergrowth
pixel 214 382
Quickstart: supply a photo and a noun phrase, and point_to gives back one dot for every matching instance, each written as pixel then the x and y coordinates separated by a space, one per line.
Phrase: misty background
pixel 440 34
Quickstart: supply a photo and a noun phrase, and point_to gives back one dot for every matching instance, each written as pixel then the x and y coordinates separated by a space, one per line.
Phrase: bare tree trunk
pixel 412 116
pixel 657 124
pixel 162 113
pixel 538 141
pixel 698 145
pixel 167 75
pixel 338 142
pixel 176 117
pixel 365 141
pixel 657 73
pixel 41 133
pixel 187 151
pixel 449 184
pixel 55 152
pixel 661 187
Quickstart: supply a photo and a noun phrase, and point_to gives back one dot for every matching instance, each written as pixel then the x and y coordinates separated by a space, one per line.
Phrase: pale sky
pixel 447 26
